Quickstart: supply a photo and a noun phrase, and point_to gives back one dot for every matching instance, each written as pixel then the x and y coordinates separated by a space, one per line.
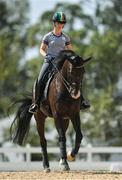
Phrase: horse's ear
pixel 87 59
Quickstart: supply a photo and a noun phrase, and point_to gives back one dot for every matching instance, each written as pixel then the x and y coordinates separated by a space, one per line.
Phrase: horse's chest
pixel 67 106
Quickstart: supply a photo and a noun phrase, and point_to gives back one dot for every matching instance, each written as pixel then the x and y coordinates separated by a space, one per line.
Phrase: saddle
pixel 48 81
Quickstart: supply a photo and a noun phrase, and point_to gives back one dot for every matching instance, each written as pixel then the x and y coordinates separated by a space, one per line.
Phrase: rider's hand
pixel 48 57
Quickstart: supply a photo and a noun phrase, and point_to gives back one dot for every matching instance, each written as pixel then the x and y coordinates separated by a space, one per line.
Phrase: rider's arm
pixel 68 44
pixel 69 47
pixel 43 48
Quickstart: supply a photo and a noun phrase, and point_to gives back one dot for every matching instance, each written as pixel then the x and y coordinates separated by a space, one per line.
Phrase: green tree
pixel 95 36
pixel 98 35
pixel 104 73
pixel 13 16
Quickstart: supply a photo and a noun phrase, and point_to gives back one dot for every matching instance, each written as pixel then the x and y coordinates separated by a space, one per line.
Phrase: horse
pixel 63 100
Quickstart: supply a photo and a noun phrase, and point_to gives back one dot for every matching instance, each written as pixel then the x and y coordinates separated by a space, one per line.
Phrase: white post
pixel 28 154
pixel 89 157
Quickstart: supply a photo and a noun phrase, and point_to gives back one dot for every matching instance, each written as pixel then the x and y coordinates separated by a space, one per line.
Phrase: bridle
pixel 65 82
pixel 78 67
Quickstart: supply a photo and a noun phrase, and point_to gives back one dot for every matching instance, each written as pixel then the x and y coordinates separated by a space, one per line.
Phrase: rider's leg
pixel 39 88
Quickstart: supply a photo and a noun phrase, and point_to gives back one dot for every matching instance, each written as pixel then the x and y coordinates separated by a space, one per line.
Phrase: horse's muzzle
pixel 75 96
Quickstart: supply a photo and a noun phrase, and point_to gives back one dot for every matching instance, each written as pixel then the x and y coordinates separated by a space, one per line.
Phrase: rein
pixel 65 82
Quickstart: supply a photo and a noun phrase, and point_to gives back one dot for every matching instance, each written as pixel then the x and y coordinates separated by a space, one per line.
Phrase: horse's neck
pixel 65 68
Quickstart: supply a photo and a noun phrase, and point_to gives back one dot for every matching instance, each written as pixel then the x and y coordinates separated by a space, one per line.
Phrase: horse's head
pixel 75 69
pixel 73 58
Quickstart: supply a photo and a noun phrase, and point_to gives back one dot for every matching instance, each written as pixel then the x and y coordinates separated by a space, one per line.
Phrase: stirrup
pixel 33 108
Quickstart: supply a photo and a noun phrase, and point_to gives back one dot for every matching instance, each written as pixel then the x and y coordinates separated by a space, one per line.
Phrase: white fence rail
pixel 93 158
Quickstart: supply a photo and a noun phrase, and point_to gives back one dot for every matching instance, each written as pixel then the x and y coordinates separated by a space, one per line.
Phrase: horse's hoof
pixel 70 157
pixel 63 165
pixel 46 170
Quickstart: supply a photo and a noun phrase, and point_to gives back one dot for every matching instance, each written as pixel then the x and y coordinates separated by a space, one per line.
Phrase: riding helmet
pixel 59 17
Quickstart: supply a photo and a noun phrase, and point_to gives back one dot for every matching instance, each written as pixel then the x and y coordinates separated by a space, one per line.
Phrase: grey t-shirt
pixel 55 43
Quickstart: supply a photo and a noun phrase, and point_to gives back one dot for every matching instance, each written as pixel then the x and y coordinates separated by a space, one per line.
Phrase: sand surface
pixel 58 175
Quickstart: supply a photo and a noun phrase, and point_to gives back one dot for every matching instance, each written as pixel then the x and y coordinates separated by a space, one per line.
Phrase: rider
pixel 52 43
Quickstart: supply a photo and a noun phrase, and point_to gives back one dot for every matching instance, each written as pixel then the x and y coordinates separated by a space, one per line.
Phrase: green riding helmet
pixel 59 17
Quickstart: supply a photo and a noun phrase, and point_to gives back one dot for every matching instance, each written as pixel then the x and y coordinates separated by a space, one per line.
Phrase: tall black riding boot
pixel 36 105
pixel 39 88
pixel 83 103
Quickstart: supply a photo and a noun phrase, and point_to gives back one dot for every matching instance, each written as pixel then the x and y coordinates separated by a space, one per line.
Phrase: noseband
pixel 79 66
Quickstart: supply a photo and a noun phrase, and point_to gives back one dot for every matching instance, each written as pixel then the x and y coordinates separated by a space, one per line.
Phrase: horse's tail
pixel 20 125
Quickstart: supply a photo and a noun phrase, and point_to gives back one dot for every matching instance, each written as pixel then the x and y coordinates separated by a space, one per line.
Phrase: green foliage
pixel 98 35
pixel 32 69
pixel 107 65
pixel 110 16
pixel 12 43
pixel 103 76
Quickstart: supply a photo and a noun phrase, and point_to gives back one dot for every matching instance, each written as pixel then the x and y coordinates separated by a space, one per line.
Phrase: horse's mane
pixel 60 59
pixel 63 53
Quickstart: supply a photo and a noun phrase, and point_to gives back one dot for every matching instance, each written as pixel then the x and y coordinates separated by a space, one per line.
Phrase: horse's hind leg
pixel 76 124
pixel 40 121
pixel 61 126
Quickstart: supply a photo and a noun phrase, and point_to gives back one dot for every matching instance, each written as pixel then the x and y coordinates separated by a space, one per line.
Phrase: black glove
pixel 49 58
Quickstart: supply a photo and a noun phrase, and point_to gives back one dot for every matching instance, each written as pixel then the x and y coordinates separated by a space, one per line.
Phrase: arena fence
pixel 92 158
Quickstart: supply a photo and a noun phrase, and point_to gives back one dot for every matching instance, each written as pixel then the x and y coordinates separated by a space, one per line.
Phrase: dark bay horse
pixel 64 105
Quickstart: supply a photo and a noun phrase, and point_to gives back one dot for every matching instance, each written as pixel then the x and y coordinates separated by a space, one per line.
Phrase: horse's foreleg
pixel 79 136
pixel 61 127
pixel 40 121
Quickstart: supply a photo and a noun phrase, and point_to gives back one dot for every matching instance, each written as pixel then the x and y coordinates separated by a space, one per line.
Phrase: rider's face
pixel 59 25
